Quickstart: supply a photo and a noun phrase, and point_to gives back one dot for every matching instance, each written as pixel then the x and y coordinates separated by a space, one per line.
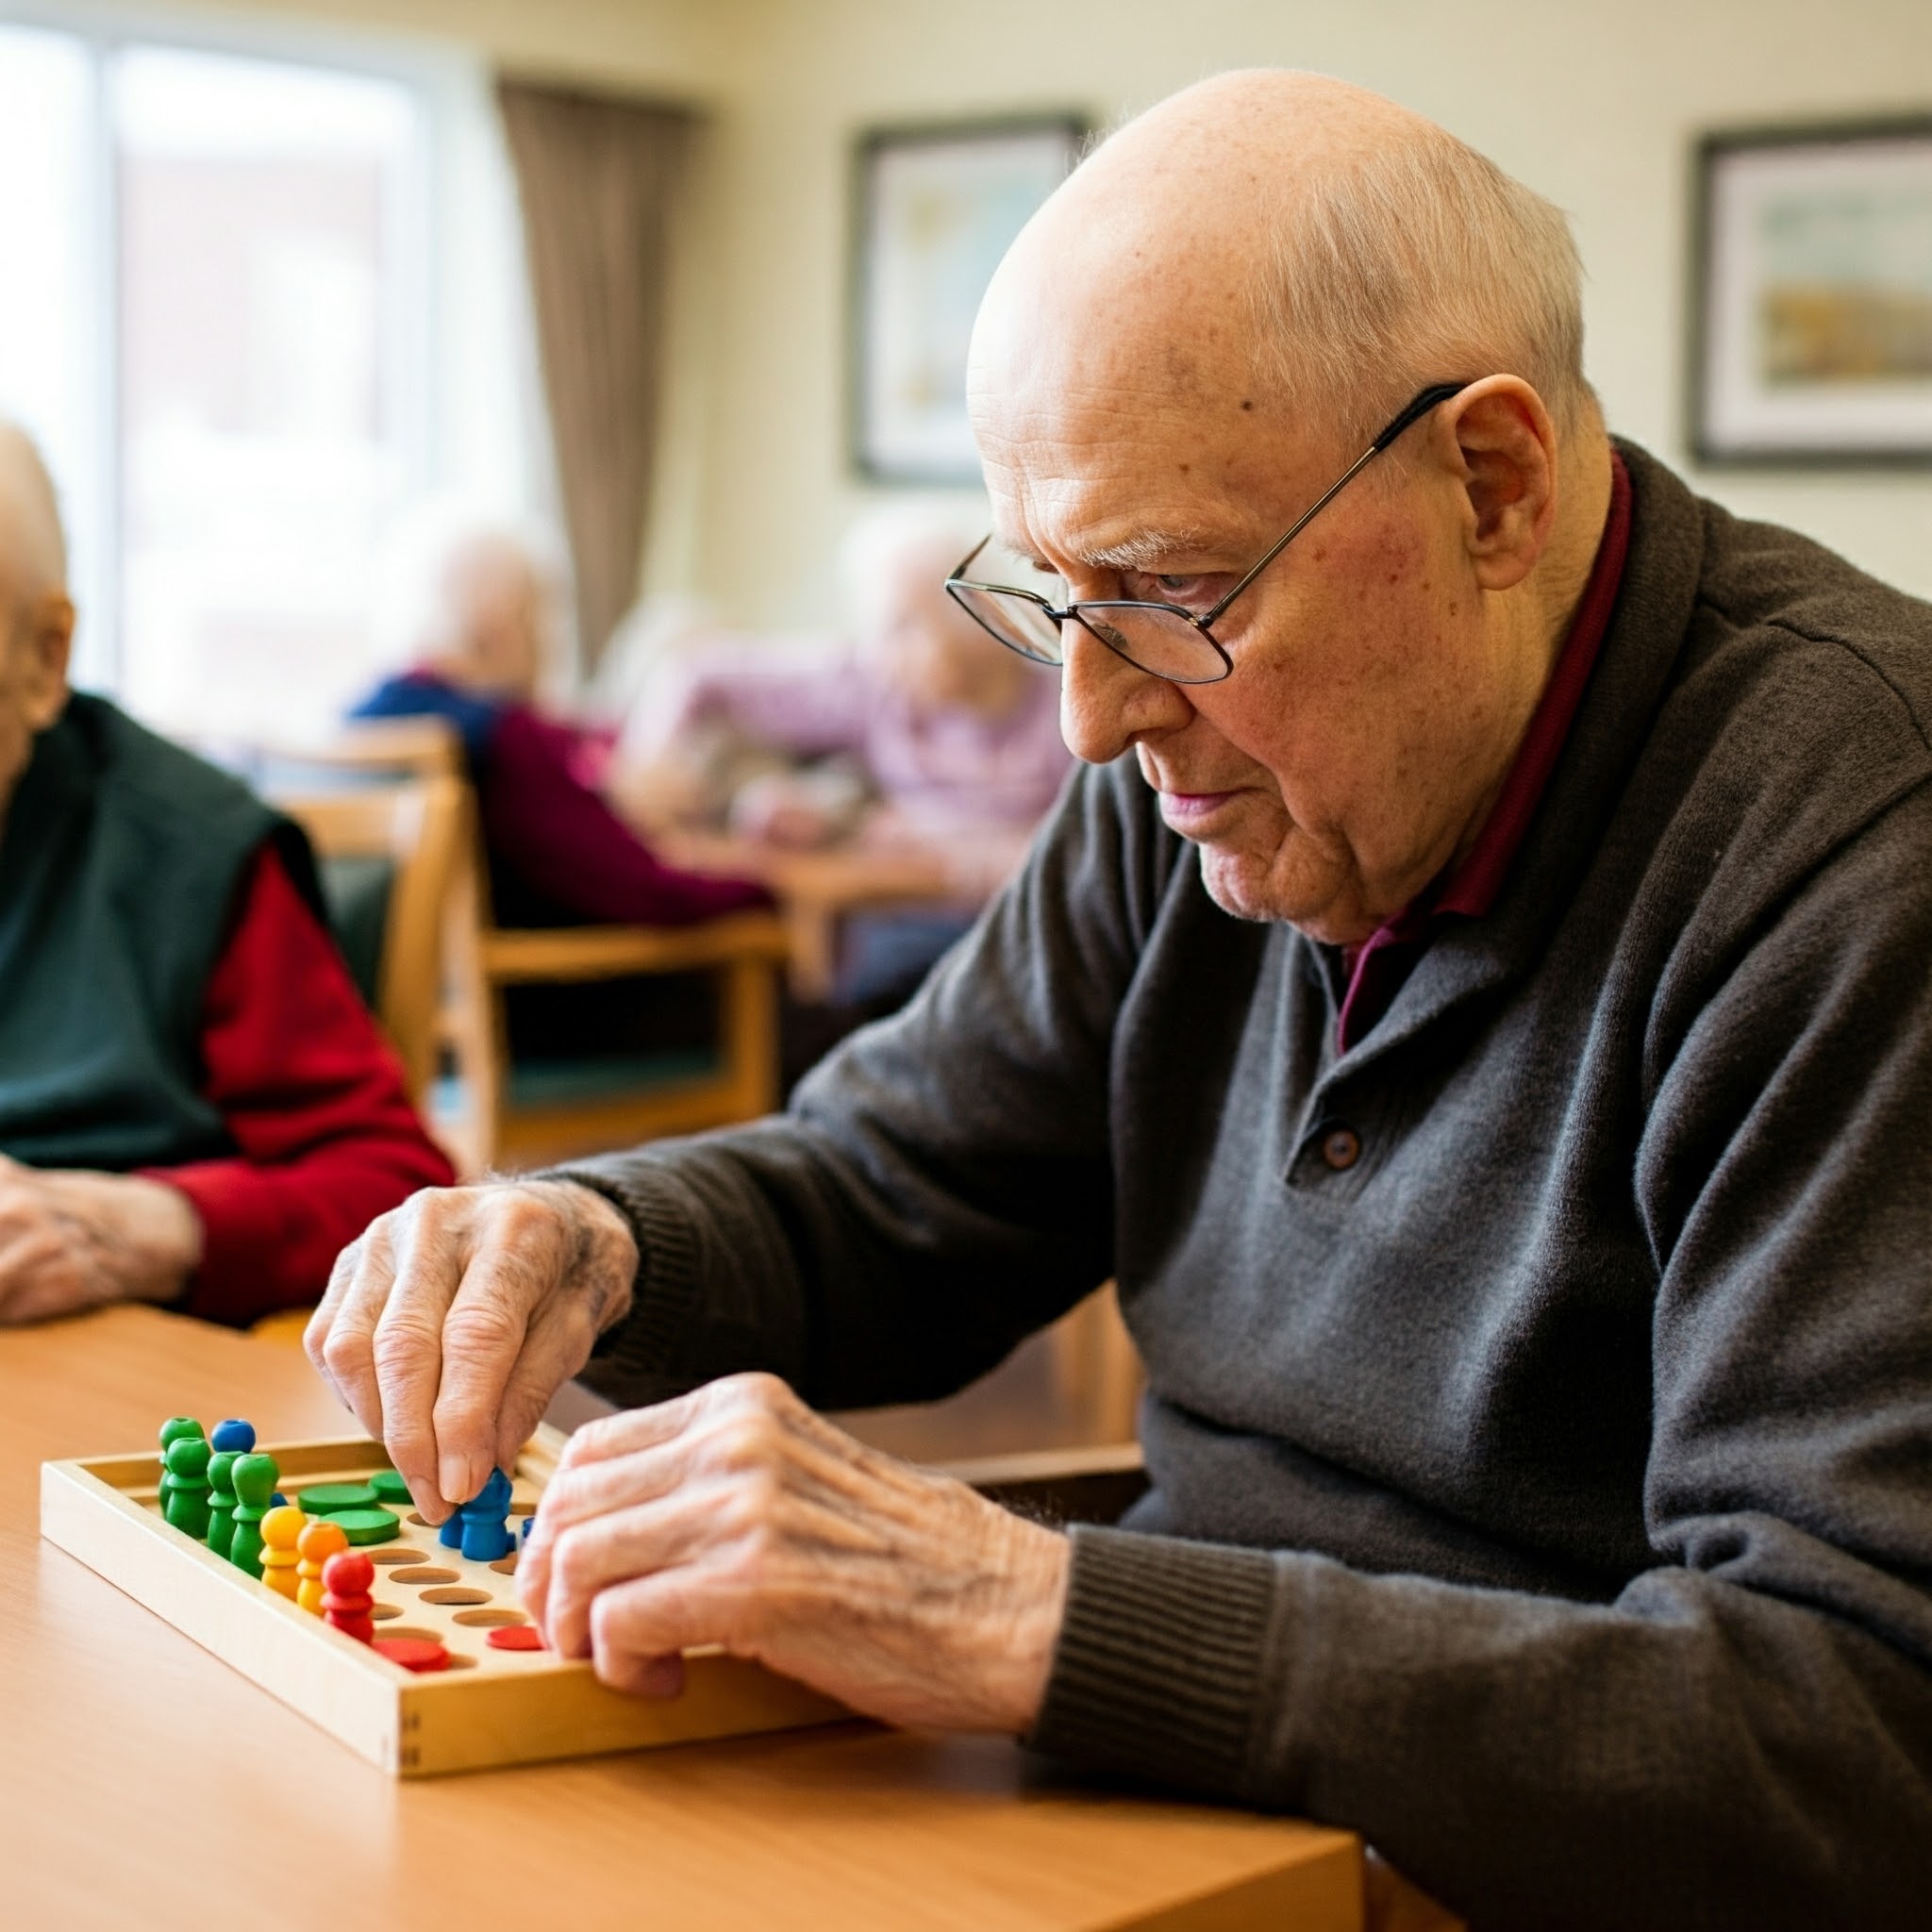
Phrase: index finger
pixel 496 1346
pixel 406 1356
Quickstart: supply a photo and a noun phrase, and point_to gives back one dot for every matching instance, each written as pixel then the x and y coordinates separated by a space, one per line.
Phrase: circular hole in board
pixel 429 1576
pixel 410 1631
pixel 488 1620
pixel 421 1520
pixel 460 1594
pixel 505 1566
pixel 380 1611
pixel 396 1556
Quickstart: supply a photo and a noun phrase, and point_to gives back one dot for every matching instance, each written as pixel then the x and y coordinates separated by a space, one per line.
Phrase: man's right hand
pixel 449 1325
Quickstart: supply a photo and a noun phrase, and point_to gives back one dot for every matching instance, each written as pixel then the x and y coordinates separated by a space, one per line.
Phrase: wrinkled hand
pixel 71 1240
pixel 449 1325
pixel 736 1516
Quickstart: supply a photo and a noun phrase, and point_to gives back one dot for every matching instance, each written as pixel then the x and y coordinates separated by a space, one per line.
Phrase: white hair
pixel 413 615
pixel 33 550
pixel 924 536
pixel 1418 261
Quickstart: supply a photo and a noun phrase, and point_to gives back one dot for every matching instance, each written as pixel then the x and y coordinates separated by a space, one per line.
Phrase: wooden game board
pixel 491 1707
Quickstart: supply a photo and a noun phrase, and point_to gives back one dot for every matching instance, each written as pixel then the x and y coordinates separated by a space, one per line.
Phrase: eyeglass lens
pixel 1160 642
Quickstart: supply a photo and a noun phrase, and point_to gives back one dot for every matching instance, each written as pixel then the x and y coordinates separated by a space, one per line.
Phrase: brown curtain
pixel 598 179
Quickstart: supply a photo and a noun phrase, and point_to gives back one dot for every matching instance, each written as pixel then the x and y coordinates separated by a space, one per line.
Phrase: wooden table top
pixel 838 877
pixel 144 1783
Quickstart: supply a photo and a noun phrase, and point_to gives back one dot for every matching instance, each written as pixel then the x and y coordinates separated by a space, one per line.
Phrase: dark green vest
pixel 119 866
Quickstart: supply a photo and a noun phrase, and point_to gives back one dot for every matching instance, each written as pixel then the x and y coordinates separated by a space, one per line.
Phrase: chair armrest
pixel 510 954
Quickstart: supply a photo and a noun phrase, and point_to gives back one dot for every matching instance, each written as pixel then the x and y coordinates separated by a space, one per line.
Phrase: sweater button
pixel 1342 1148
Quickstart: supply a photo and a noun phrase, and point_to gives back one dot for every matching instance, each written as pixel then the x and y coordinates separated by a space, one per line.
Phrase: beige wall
pixel 675 47
pixel 1595 106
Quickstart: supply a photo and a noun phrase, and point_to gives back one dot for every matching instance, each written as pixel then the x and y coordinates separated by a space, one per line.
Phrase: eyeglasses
pixel 1160 639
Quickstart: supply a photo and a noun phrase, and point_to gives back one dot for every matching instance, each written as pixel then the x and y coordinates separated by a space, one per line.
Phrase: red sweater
pixel 313 1097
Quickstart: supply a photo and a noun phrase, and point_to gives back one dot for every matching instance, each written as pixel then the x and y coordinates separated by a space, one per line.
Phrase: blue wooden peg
pixel 484 1533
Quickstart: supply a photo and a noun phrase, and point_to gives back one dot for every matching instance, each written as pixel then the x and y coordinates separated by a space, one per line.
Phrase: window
pixel 270 402
pixel 232 371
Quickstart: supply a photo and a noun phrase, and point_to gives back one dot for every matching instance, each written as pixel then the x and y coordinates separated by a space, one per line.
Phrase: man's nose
pixel 1108 705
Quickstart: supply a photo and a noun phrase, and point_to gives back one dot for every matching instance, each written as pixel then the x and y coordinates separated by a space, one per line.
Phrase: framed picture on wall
pixel 935 207
pixel 1813 295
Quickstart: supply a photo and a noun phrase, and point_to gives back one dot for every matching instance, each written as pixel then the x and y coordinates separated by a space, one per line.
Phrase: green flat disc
pixel 367 1525
pixel 328 1499
pixel 388 1485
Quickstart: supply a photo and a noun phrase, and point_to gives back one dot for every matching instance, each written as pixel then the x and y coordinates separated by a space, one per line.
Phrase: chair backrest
pixel 421 827
pixel 383 747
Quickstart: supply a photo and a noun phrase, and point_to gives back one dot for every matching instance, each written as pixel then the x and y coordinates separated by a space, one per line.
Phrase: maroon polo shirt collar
pixel 1378 967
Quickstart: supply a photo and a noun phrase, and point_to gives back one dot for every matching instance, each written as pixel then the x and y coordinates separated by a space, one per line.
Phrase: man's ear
pixel 1499 439
pixel 45 643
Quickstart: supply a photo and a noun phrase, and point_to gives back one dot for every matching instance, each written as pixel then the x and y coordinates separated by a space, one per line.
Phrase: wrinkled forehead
pixel 1118 381
pixel 1114 466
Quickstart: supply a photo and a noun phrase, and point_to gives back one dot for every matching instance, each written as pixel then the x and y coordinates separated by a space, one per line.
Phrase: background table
pixel 817 890
pixel 142 1783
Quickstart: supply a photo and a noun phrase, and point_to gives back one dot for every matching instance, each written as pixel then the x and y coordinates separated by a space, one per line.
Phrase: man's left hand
pixel 71 1240
pixel 736 1516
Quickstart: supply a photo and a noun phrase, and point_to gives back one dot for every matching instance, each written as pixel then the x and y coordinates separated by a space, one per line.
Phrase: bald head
pixel 33 552
pixel 1295 244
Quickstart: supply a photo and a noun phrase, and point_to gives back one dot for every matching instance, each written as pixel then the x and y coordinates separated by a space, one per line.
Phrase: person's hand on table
pixel 736 1516
pixel 449 1325
pixel 72 1239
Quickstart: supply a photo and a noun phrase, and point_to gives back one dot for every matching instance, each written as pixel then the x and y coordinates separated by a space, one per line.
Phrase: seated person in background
pixel 559 855
pixel 475 625
pixel 195 1106
pixel 920 728
pixel 956 740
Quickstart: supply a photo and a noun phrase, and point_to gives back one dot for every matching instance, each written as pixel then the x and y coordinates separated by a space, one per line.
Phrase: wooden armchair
pixel 418 829
pixel 494 1113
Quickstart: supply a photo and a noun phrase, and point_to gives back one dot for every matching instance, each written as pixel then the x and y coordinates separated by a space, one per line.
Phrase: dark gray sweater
pixel 1548 1496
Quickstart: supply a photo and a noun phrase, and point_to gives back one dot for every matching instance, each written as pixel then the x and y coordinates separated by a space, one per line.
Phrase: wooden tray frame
pixel 408 1725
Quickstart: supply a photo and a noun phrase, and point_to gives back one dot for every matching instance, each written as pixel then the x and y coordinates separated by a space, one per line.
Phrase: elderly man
pixel 195 1106
pixel 1476 1005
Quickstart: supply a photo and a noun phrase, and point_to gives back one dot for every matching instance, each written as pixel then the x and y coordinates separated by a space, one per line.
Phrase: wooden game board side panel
pixel 470 1721
pixel 330 1678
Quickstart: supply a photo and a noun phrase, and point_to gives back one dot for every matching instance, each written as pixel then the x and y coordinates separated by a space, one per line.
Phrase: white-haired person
pixel 1473 1001
pixel 916 726
pixel 946 734
pixel 475 615
pixel 196 1109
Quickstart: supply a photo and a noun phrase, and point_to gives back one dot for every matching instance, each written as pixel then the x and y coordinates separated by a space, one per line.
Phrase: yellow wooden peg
pixel 279 1557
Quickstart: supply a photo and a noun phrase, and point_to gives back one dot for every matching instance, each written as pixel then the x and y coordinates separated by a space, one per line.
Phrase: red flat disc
pixel 514 1637
pixel 413 1653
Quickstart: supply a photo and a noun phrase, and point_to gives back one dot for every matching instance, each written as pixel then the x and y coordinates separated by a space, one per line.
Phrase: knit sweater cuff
pixel 635 1354
pixel 1158 1670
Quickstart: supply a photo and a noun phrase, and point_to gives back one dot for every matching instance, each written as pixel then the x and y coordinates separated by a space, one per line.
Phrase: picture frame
pixel 935 206
pixel 1811 285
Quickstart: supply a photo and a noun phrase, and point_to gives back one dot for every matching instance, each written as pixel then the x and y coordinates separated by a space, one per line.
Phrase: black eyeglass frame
pixel 1073 613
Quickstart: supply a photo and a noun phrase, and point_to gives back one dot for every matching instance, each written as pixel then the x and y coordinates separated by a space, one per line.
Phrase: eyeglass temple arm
pixel 966 562
pixel 1420 408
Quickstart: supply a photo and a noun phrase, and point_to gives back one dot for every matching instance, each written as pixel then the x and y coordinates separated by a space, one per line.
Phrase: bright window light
pixel 49 357
pixel 271 398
